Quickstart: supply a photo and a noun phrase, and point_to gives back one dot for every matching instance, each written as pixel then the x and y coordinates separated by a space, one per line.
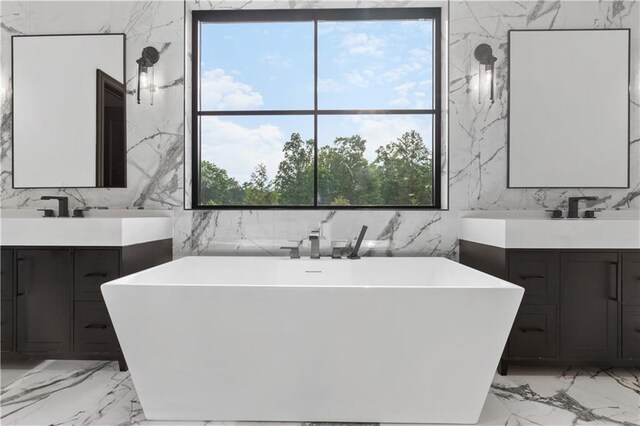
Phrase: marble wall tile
pixel 159 135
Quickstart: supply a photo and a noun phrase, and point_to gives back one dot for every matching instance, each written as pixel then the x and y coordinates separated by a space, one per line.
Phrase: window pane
pixel 256 66
pixel 256 160
pixel 375 64
pixel 367 160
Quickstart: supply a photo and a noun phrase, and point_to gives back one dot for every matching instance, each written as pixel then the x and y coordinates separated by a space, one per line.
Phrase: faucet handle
pixel 337 248
pixel 294 250
pixel 47 212
pixel 555 213
pixel 79 211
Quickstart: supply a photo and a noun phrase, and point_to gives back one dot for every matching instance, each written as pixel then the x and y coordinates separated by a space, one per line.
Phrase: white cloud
pixel 415 62
pixel 239 149
pixel 360 79
pixel 222 91
pixel 363 44
pixel 276 61
pixel 328 85
pixel 409 95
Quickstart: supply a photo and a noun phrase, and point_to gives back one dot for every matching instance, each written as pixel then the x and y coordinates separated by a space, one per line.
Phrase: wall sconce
pixel 150 56
pixel 484 56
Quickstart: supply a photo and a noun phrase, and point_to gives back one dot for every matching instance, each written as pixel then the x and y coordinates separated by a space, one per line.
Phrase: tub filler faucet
pixel 354 253
pixel 314 237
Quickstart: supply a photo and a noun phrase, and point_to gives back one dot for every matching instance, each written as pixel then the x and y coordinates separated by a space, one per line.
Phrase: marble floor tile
pixel 11 370
pixel 96 393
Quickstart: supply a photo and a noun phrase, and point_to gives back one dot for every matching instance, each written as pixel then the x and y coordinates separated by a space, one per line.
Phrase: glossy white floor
pixel 95 392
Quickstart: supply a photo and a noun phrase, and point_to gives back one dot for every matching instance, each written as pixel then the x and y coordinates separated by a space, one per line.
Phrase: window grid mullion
pixel 321 112
pixel 315 112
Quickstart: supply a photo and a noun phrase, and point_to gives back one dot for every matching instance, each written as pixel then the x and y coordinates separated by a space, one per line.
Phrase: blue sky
pixel 259 66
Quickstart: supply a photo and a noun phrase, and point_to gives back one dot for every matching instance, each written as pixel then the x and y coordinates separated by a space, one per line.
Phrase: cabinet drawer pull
pixel 20 293
pixel 100 326
pixel 532 277
pixel 613 282
pixel 532 330
pixel 95 274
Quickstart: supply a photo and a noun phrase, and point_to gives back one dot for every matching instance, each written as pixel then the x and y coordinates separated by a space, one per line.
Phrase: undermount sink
pixel 117 228
pixel 533 229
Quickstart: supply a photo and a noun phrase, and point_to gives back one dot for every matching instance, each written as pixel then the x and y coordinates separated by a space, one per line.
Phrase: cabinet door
pixel 631 278
pixel 538 273
pixel 589 305
pixel 6 326
pixel 7 287
pixel 6 275
pixel 44 300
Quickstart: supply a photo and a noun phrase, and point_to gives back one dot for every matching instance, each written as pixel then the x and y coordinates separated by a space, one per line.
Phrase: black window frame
pixel 315 15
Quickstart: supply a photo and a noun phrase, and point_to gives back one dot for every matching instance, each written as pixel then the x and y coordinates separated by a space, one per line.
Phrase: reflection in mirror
pixel 111 137
pixel 69 111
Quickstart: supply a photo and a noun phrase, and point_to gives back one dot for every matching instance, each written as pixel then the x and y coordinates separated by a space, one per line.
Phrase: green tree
pixel 294 179
pixel 405 170
pixel 259 191
pixel 216 187
pixel 344 175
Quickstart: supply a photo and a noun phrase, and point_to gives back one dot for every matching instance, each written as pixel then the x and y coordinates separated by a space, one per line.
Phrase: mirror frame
pixel 124 77
pixel 508 86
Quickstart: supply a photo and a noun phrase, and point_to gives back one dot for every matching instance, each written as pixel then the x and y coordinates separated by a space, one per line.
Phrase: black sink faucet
pixel 573 205
pixel 63 204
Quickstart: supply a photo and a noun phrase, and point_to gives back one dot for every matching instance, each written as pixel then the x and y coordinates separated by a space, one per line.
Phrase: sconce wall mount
pixel 484 55
pixel 147 60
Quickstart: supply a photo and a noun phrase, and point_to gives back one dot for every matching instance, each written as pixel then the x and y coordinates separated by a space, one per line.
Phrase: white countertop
pixel 100 228
pixel 533 229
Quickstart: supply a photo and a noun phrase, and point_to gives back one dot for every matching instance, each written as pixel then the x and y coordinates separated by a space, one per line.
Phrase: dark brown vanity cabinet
pixel 52 306
pixel 580 307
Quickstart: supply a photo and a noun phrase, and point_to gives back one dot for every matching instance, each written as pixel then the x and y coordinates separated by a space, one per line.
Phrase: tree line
pixel 401 174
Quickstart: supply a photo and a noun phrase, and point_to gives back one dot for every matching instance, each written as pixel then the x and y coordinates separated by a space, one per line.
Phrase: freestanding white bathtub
pixel 398 340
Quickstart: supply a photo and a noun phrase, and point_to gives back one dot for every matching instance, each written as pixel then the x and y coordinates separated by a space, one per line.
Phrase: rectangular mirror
pixel 569 108
pixel 69 114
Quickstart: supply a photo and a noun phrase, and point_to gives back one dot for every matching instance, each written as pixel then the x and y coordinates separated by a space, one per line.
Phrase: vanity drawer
pixel 6 326
pixel 93 331
pixel 631 278
pixel 631 331
pixel 535 332
pixel 92 268
pixel 538 272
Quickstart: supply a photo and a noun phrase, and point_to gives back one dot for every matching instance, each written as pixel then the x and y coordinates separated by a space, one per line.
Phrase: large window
pixel 321 108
